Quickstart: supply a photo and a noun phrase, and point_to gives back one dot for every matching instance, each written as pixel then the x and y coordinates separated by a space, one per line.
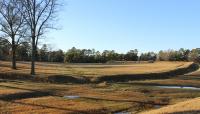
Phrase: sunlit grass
pixel 102 98
pixel 95 99
pixel 93 70
pixel 187 107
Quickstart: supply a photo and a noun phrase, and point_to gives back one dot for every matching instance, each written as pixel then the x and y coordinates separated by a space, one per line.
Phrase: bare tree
pixel 11 22
pixel 38 15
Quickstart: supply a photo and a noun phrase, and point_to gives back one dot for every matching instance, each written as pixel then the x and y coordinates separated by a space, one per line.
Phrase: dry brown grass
pixel 95 99
pixel 186 107
pixel 6 91
pixel 93 70
pixel 26 97
pixel 92 101
pixel 59 105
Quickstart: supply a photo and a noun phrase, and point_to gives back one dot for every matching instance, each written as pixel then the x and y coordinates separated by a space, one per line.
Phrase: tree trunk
pixel 13 55
pixel 33 58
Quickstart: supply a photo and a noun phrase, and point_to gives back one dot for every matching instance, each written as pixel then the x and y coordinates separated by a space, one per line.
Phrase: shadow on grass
pixel 137 105
pixel 110 78
pixel 37 94
pixel 51 79
pixel 12 97
pixel 23 95
pixel 67 79
pixel 162 75
pixel 190 77
pixel 69 111
pixel 131 101
pixel 42 93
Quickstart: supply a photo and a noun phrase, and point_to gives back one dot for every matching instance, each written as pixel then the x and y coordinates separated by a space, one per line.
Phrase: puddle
pixel 71 97
pixel 157 106
pixel 179 87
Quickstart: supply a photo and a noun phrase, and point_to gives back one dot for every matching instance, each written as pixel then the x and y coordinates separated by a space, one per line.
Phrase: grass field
pixel 93 70
pixel 186 107
pixel 137 96
pixel 18 96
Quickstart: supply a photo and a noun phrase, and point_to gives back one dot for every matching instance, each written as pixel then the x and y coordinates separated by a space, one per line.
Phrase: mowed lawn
pixel 92 70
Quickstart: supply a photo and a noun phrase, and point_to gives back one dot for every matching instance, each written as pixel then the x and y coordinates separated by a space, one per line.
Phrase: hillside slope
pixel 186 107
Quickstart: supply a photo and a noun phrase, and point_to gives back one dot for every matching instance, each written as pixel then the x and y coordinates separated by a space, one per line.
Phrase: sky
pixel 122 25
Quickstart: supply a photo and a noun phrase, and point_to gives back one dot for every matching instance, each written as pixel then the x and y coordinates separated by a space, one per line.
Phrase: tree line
pixel 74 55
pixel 23 53
pixel 22 21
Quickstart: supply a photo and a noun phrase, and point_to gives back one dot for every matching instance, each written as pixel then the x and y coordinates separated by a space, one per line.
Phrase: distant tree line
pixel 91 56
pixel 74 55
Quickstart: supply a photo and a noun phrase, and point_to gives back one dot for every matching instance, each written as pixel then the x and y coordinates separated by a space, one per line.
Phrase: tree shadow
pixel 50 107
pixel 42 93
pixel 24 95
pixel 70 111
pixel 131 101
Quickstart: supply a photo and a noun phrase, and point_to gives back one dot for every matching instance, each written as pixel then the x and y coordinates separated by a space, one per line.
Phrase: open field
pixel 186 107
pixel 93 70
pixel 20 96
pixel 96 73
pixel 136 96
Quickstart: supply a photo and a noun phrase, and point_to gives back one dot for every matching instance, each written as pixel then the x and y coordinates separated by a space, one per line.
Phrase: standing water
pixel 179 87
pixel 71 97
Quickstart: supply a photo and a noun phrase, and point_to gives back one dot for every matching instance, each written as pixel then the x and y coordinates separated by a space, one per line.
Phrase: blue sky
pixel 121 25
